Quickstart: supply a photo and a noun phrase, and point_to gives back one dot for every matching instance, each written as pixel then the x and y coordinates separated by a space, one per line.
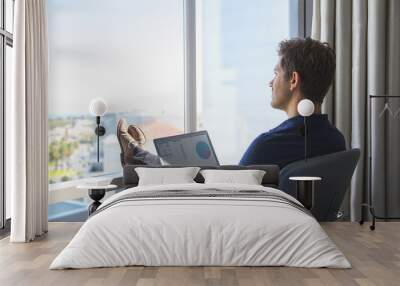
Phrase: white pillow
pixel 162 176
pixel 248 177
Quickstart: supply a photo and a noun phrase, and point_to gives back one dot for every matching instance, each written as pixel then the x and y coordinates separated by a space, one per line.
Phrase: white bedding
pixel 200 231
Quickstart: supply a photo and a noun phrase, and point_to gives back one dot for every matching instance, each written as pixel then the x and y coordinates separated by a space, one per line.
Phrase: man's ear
pixel 294 80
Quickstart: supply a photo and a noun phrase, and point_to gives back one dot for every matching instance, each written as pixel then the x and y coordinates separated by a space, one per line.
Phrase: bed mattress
pixel 201 225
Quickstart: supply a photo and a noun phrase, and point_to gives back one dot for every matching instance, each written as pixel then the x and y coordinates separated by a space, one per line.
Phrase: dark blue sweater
pixel 285 144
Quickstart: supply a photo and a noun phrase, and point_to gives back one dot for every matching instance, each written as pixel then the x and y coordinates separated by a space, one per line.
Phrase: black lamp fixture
pixel 305 184
pixel 306 109
pixel 98 108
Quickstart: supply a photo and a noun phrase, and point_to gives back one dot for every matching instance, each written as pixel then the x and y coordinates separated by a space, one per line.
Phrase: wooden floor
pixel 375 257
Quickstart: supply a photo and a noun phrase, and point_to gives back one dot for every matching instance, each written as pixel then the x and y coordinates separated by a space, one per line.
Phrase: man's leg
pixel 131 139
pixel 144 157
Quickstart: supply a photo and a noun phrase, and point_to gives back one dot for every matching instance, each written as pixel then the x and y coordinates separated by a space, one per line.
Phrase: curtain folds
pixel 27 119
pixel 393 87
pixel 366 38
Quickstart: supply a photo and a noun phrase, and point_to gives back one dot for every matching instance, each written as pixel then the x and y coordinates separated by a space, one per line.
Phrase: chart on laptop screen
pixel 192 149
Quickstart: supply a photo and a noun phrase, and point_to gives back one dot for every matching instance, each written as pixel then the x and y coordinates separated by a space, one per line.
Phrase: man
pixel 305 69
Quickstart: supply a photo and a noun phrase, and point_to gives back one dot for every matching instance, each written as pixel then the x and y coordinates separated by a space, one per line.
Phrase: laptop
pixel 190 149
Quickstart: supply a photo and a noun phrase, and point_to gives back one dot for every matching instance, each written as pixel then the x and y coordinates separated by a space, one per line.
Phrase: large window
pixel 6 43
pixel 236 53
pixel 128 52
pixel 142 57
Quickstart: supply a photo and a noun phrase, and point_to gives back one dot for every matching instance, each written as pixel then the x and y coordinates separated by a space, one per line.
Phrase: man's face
pixel 280 88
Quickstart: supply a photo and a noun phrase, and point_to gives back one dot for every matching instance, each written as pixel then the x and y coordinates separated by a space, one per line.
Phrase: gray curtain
pixel 366 37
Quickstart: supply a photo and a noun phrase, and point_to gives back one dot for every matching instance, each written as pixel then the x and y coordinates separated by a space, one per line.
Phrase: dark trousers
pixel 143 157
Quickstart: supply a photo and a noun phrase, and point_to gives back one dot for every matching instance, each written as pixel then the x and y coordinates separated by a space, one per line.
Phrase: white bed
pixel 188 231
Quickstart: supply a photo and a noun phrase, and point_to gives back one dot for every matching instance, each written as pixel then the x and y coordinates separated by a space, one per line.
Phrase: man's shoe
pixel 126 142
pixel 137 134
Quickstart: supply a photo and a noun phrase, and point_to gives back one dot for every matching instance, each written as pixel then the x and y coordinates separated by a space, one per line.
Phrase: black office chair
pixel 335 169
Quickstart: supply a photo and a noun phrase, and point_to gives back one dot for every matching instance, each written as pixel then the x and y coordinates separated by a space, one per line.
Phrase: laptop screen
pixel 191 149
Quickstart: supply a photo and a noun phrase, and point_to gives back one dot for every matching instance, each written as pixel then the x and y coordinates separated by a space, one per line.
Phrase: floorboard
pixel 375 257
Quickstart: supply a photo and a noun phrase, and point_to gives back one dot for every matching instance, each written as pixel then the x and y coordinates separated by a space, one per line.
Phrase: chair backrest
pixel 335 169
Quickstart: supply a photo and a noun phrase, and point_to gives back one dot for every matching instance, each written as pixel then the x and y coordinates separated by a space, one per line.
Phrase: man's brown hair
pixel 315 63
